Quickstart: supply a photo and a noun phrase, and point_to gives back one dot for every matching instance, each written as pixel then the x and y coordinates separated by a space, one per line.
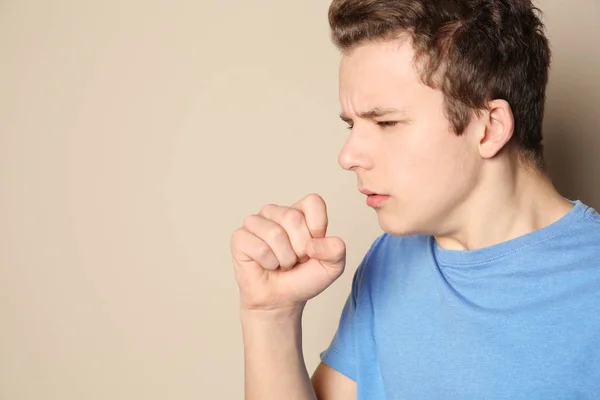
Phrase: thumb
pixel 330 251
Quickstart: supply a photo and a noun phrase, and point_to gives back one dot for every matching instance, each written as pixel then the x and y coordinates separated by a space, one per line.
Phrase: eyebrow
pixel 373 113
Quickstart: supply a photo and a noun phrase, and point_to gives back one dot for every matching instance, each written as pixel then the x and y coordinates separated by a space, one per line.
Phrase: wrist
pixel 275 315
pixel 268 329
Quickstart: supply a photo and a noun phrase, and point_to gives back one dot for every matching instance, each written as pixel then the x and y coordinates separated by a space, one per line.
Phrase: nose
pixel 355 153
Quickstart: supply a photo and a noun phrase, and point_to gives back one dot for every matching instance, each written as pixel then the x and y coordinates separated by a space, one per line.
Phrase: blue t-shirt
pixel 517 320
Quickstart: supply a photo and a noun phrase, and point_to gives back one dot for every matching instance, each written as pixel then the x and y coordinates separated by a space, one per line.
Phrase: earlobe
pixel 499 128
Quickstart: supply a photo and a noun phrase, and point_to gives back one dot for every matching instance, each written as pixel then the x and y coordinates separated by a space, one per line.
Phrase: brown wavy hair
pixel 474 51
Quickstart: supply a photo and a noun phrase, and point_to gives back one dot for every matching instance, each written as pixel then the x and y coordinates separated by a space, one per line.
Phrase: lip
pixel 375 200
pixel 368 192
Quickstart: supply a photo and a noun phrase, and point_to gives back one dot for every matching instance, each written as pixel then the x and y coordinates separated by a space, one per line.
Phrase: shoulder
pixel 583 242
pixel 593 216
pixel 585 232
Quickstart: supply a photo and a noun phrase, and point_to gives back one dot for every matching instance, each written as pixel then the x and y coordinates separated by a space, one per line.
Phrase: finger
pixel 275 236
pixel 246 247
pixel 294 223
pixel 330 251
pixel 315 212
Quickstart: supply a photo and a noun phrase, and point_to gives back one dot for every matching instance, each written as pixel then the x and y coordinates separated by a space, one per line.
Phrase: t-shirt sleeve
pixel 341 353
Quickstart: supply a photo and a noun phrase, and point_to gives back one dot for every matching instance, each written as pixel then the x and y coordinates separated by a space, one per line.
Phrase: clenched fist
pixel 282 257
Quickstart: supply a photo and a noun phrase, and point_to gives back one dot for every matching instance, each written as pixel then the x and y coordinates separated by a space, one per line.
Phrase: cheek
pixel 455 168
pixel 427 162
pixel 413 169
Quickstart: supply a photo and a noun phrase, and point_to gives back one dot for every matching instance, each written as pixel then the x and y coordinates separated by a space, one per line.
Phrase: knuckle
pixel 277 235
pixel 262 251
pixel 314 198
pixel 293 217
pixel 265 210
pixel 249 220
pixel 237 238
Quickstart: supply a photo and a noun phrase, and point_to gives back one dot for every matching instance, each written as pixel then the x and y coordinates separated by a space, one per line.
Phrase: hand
pixel 282 257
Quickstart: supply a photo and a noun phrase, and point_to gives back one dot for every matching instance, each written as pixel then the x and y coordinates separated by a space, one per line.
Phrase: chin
pixel 397 226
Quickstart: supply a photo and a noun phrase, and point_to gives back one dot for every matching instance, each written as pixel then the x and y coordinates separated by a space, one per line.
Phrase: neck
pixel 511 200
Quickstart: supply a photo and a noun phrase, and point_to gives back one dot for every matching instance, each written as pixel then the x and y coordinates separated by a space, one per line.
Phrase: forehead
pixel 378 72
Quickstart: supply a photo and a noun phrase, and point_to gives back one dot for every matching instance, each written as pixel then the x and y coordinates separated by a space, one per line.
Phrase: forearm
pixel 274 363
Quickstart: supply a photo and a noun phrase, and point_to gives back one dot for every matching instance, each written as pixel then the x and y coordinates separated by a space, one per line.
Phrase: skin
pixel 453 187
pixel 468 191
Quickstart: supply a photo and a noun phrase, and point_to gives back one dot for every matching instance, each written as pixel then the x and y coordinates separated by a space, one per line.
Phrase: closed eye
pixel 387 124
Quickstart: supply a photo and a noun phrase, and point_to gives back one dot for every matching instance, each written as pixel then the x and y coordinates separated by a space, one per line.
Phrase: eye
pixel 387 124
pixel 349 127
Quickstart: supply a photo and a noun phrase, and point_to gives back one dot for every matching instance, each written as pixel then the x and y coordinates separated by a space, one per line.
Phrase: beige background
pixel 136 135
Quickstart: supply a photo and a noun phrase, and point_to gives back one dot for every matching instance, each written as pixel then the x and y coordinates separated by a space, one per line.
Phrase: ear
pixel 499 127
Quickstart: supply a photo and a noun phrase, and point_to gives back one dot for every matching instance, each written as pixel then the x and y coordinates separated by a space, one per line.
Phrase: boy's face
pixel 410 153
